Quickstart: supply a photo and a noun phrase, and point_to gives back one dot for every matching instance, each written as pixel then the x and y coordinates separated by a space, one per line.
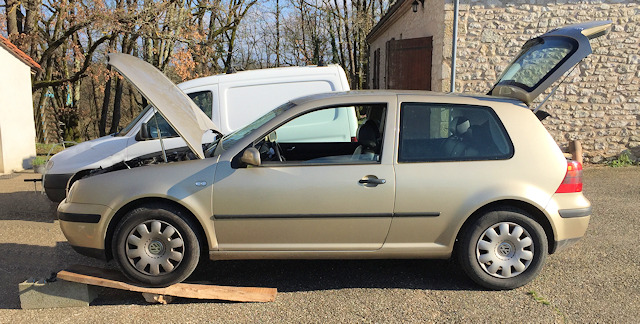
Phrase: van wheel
pixel 156 246
pixel 503 249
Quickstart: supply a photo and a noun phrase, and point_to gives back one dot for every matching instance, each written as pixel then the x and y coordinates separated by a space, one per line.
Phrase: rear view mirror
pixel 251 156
pixel 143 134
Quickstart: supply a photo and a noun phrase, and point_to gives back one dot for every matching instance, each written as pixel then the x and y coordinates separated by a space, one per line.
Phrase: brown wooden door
pixel 409 63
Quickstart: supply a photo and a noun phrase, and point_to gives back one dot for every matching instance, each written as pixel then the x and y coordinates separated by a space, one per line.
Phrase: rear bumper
pixel 55 186
pixel 570 214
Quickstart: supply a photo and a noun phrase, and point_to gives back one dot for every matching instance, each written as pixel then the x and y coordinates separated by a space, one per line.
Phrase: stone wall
pixel 598 103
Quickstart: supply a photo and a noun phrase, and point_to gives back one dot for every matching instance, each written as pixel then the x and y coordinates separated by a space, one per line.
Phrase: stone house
pixel 17 128
pixel 597 104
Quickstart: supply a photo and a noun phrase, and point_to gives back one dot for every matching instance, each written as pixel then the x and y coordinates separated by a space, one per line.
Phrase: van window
pixel 203 99
pixel 447 132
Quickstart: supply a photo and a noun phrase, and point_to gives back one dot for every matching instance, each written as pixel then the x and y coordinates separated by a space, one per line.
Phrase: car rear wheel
pixel 156 246
pixel 503 249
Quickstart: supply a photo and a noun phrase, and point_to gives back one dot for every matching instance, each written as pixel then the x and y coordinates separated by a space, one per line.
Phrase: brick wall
pixel 598 103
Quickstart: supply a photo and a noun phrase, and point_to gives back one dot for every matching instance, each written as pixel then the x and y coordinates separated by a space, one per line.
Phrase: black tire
pixel 503 262
pixel 154 256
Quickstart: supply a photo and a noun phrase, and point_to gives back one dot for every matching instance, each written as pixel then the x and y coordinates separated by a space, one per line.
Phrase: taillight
pixel 354 139
pixel 573 179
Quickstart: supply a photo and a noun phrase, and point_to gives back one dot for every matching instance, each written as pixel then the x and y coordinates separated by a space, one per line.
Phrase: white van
pixel 230 100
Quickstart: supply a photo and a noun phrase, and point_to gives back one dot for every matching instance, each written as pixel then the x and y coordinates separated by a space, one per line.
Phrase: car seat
pixel 369 139
pixel 455 145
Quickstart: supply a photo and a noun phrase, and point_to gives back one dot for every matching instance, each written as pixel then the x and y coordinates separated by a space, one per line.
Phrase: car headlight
pixel 49 165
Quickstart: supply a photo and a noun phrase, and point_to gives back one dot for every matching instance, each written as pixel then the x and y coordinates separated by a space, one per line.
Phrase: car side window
pixel 203 99
pixel 447 132
pixel 332 135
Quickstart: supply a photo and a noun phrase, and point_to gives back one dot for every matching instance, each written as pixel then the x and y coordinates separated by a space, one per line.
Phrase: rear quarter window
pixel 432 132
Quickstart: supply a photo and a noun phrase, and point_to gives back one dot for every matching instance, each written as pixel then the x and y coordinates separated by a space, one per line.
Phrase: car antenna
pixel 155 118
pixel 554 90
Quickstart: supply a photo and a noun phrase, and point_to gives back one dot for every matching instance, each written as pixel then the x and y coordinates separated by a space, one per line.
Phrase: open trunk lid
pixel 545 59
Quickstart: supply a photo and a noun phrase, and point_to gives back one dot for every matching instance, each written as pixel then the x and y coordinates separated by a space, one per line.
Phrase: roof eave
pixel 20 55
pixel 390 16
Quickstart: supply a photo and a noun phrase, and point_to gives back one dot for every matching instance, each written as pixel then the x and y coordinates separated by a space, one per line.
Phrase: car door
pixel 327 199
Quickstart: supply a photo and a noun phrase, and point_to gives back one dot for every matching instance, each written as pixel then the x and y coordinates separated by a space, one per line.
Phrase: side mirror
pixel 143 134
pixel 251 156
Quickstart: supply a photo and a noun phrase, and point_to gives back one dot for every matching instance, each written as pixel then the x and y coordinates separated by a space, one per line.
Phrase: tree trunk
pixel 11 10
pixel 117 105
pixel 277 33
pixel 102 127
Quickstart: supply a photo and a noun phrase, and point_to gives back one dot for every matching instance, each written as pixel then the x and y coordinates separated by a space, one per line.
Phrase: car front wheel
pixel 156 246
pixel 503 249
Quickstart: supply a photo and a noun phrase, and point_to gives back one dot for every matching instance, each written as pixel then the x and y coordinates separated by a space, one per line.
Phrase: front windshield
pixel 127 128
pixel 538 58
pixel 229 140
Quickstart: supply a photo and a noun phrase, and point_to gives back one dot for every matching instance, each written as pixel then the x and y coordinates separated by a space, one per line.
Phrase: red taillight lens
pixel 354 139
pixel 573 179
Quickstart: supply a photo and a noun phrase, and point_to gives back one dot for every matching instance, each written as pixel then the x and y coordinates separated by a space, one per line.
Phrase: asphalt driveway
pixel 597 280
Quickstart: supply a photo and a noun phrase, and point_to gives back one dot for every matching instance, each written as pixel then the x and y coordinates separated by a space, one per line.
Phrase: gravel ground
pixel 597 280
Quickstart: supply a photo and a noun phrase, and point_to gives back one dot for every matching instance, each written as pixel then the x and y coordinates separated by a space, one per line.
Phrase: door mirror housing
pixel 143 134
pixel 251 156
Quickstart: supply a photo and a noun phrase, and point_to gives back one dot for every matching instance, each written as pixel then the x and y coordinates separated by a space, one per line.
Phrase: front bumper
pixel 55 186
pixel 85 227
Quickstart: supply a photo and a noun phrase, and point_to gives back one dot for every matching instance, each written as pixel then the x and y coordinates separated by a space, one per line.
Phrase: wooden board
pixel 115 279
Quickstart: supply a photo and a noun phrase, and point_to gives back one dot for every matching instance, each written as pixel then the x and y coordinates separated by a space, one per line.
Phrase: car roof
pixel 345 95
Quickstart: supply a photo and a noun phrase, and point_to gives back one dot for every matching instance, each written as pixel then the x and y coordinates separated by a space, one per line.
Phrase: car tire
pixel 503 249
pixel 156 246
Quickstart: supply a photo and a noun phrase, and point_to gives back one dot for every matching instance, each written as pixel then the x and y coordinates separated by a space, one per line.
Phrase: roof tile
pixel 26 59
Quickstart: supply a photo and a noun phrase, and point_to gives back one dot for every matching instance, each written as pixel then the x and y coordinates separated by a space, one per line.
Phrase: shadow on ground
pixel 21 261
pixel 310 275
pixel 27 206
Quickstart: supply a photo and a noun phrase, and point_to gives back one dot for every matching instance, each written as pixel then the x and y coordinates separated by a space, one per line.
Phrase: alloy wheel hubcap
pixel 154 247
pixel 505 250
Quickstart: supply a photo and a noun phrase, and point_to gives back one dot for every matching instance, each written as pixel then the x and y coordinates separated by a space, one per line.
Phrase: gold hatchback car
pixel 429 175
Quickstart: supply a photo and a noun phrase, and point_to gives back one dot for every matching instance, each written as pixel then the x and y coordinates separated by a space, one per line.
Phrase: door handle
pixel 373 181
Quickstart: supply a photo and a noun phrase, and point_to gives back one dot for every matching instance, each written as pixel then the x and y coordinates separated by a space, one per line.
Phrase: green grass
pixel 622 161
pixel 51 149
pixel 544 301
pixel 43 149
pixel 39 160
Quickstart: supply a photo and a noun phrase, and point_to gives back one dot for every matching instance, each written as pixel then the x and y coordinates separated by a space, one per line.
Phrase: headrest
pixel 368 134
pixel 459 126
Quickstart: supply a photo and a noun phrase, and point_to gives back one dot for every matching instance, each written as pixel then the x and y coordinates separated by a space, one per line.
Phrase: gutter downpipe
pixel 454 46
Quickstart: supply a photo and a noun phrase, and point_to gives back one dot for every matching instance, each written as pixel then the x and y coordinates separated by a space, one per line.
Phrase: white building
pixel 17 128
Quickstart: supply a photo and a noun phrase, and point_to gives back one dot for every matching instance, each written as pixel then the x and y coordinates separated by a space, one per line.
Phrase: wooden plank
pixel 114 279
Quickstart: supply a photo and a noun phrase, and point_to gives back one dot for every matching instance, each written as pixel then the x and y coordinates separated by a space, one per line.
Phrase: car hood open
pixel 173 104
pixel 545 59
